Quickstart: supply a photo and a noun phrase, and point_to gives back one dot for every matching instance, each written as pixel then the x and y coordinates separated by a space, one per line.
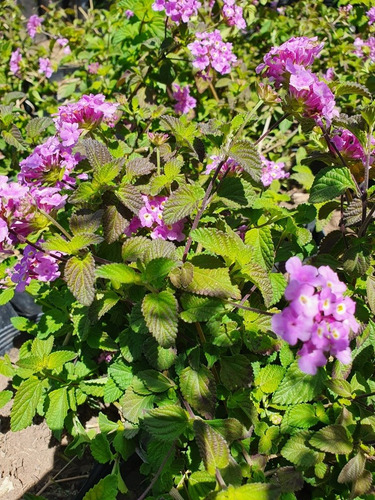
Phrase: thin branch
pixel 272 127
pixel 253 309
pixel 159 471
pixel 366 223
pixel 36 246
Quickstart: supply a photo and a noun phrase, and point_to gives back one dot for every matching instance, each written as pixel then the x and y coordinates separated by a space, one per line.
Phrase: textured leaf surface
pixel 114 223
pixel 131 197
pixel 269 378
pixel 100 449
pixel 57 409
pixel 260 239
pixel 227 245
pixel 182 203
pixel 298 387
pixel 36 126
pixel 5 397
pixel 253 491
pixel 80 276
pixel 106 489
pixel 199 390
pixel 353 469
pixel 160 313
pixel 370 289
pixel 199 308
pixel 334 439
pixel 25 402
pixel 134 405
pixel 120 273
pixel 297 451
pixel 213 282
pixel 261 278
pixel 247 155
pixel 330 183
pixel 97 153
pixel 212 447
pixel 352 88
pixel 59 358
pixel 235 371
pixel 166 423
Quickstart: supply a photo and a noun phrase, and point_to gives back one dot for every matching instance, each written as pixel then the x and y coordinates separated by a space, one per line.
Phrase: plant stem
pixel 272 127
pixel 247 118
pixel 159 471
pixel 366 223
pixel 214 93
pixel 55 223
pixel 203 208
pixel 367 174
pixel 253 309
pixel 157 160
pixel 36 246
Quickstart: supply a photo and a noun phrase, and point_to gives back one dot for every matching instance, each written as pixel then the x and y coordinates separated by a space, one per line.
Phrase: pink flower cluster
pixel 345 9
pixel 230 166
pixel 280 61
pixel 286 66
pixel 234 14
pixel 50 163
pixel 210 50
pixel 318 314
pixel 365 49
pixel 129 13
pixel 33 24
pixel 348 145
pixel 93 68
pixel 151 216
pixel 14 64
pixel 45 67
pixel 185 102
pixel 88 112
pixel 178 10
pixel 272 170
pixel 34 264
pixel 371 15
pixel 64 43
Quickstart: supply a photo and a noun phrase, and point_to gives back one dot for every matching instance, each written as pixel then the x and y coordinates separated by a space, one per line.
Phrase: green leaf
pixel 82 240
pixel 298 387
pixel 302 415
pixel 59 358
pixel 230 428
pixel 167 422
pixel 57 409
pixel 6 367
pixel 261 278
pixel 6 296
pixel 139 166
pixel 106 425
pixel 213 282
pixel 100 449
pixel 333 439
pixel 220 243
pixel 298 452
pixel 235 371
pixel 5 397
pixel 159 248
pixel 269 377
pixel 236 193
pixel 114 223
pixel 105 489
pixel 107 173
pixel 261 243
pixel 14 138
pixel 199 308
pixel 370 289
pixel 134 248
pixel 80 276
pixel 158 357
pixel 121 374
pixel 160 313
pixel 157 270
pixel 352 88
pixel 353 469
pixel 93 387
pixel 20 323
pixel 155 381
pixel 212 447
pixel 130 197
pixel 120 273
pixel 112 392
pixel 85 222
pixel 25 402
pixel 340 387
pixel 37 126
pixel 252 491
pixel 182 203
pixel 330 183
pixel 361 485
pixel 199 390
pixel 200 484
pixel 134 406
pixel 246 154
pixel 97 153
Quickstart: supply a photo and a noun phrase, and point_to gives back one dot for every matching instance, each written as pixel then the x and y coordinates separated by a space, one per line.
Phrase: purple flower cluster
pixel 345 9
pixel 64 43
pixel 14 64
pixel 318 314
pixel 185 102
pixel 50 163
pixel 88 112
pixel 33 24
pixel 230 166
pixel 348 145
pixel 93 68
pixel 45 67
pixel 272 170
pixel 234 14
pixel 210 50
pixel 279 62
pixel 151 216
pixel 365 49
pixel 178 10
pixel 129 13
pixel 34 264
pixel 371 15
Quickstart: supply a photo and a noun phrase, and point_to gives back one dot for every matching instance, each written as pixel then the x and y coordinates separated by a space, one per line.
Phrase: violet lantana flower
pixel 365 49
pixel 185 102
pixel 151 216
pixel 279 61
pixel 33 24
pixel 93 68
pixel 178 11
pixel 233 14
pixel 209 50
pixel 230 166
pixel 64 43
pixel 272 170
pixel 318 314
pixel 14 63
pixel 34 264
pixel 129 13
pixel 45 67
pixel 371 15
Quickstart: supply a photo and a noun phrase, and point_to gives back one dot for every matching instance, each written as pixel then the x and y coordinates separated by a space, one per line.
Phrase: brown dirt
pixel 30 458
